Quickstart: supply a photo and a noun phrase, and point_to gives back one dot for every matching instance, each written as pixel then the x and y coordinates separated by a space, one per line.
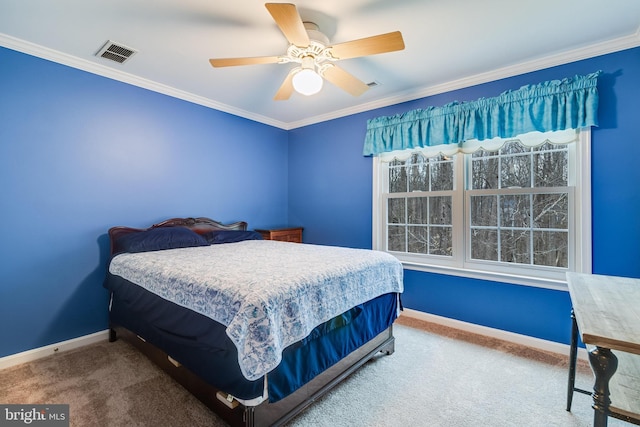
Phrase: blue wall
pixel 330 194
pixel 81 153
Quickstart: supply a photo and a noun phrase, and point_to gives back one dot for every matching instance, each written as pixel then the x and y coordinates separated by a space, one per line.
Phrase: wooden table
pixel 606 313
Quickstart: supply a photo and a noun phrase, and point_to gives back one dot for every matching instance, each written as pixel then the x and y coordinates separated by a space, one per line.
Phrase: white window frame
pixel 461 265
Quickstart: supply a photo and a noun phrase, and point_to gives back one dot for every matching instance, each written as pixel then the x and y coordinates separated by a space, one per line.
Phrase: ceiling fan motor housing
pixel 317 48
pixel 314 33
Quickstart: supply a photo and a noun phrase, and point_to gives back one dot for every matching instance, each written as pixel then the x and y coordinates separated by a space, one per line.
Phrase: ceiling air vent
pixel 373 84
pixel 115 52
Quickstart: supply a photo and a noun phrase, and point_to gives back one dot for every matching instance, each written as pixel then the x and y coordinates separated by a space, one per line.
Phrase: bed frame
pixel 233 412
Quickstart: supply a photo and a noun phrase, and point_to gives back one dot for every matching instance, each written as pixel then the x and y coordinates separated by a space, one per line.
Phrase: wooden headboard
pixel 200 225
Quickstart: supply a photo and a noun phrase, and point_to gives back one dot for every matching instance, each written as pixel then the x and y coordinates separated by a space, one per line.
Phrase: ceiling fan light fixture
pixel 307 82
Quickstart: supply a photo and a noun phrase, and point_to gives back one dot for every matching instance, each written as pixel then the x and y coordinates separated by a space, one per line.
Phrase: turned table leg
pixel 573 355
pixel 604 364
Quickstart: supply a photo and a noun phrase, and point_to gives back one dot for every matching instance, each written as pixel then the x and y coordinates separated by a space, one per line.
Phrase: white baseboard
pixel 554 347
pixel 528 341
pixel 38 353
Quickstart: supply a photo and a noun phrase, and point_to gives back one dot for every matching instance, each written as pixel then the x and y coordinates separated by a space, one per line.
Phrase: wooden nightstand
pixel 292 234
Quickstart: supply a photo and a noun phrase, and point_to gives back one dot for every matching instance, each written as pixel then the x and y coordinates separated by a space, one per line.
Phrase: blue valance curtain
pixel 570 103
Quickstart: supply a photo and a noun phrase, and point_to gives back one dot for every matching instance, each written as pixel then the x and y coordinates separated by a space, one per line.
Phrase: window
pixel 419 205
pixel 515 210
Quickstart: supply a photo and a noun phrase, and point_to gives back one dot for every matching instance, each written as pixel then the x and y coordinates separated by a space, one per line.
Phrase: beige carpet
pixel 437 377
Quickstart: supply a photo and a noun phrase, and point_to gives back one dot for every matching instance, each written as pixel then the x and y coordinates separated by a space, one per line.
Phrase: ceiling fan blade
pixel 382 43
pixel 286 89
pixel 231 62
pixel 344 80
pixel 288 19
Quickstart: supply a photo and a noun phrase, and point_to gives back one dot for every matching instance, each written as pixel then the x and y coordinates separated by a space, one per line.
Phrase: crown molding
pixel 121 76
pixel 603 48
pixel 566 57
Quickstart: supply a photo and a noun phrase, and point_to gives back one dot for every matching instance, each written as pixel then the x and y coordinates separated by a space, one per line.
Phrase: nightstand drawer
pixel 293 234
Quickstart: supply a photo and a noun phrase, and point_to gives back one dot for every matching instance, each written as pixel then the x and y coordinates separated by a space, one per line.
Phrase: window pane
pixel 513 147
pixel 514 210
pixel 418 240
pixel 418 173
pixel 397 177
pixel 484 244
pixel 551 210
pixel 484 171
pixel 514 246
pixel 516 171
pixel 484 210
pixel 550 248
pixel 440 242
pixel 441 171
pixel 440 210
pixel 551 168
pixel 417 210
pixel 397 238
pixel 396 212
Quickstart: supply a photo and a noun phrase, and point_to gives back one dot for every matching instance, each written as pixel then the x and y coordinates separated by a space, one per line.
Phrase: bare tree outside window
pixel 518 205
pixel 514 226
pixel 520 209
pixel 418 213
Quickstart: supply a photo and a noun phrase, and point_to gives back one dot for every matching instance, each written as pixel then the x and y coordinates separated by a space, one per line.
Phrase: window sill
pixel 537 282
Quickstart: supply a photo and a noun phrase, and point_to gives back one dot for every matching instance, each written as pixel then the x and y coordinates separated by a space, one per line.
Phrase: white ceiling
pixel 449 44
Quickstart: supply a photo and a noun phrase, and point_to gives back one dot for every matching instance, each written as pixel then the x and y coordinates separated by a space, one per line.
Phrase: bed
pixel 256 329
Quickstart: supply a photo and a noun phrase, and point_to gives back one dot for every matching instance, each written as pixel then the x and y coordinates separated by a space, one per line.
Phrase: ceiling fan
pixel 316 56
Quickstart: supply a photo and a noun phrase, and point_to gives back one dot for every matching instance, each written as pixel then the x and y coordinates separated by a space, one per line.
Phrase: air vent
pixel 373 84
pixel 116 52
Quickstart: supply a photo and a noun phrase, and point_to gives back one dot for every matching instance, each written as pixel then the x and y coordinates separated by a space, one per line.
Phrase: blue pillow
pixel 160 238
pixel 230 236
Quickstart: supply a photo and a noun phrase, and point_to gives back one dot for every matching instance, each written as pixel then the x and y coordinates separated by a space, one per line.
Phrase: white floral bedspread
pixel 269 294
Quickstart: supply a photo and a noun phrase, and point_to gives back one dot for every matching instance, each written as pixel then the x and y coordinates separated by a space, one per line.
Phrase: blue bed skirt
pixel 202 345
